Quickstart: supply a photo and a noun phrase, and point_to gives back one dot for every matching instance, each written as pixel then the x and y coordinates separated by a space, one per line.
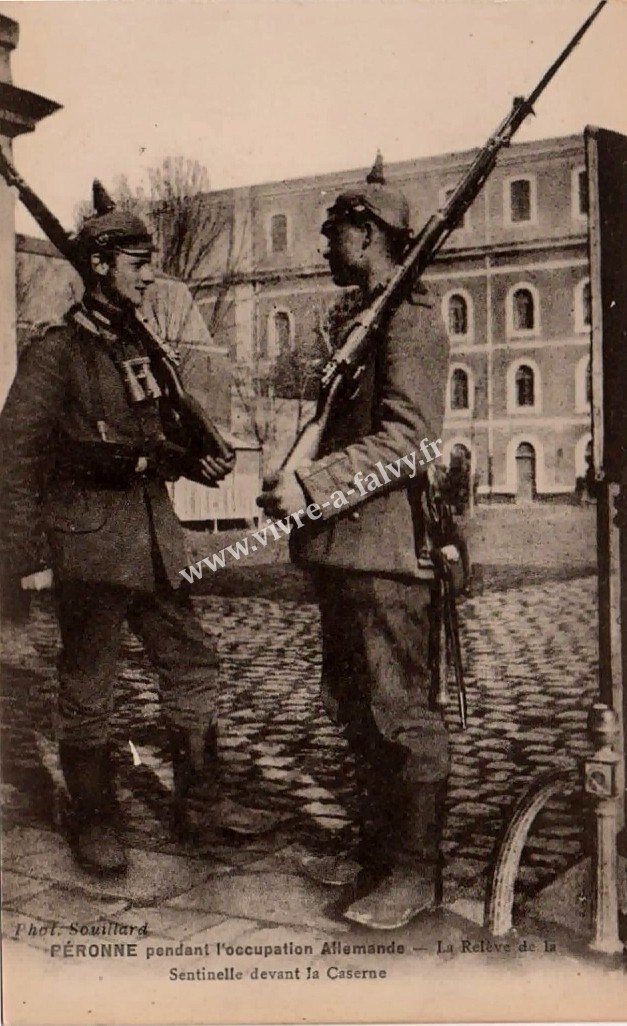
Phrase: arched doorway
pixel 525 472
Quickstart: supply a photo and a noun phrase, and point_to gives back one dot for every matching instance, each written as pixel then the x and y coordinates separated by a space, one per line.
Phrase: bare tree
pixel 191 225
pixel 276 394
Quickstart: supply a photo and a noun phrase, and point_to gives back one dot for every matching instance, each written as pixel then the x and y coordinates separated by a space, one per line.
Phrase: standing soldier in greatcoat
pixel 83 497
pixel 363 554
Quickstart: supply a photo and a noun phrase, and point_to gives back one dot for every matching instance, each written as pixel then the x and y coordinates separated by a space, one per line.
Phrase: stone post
pixel 601 784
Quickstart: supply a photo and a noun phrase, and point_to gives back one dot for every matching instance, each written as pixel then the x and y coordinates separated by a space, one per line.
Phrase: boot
pixel 366 863
pixel 196 784
pixel 95 843
pixel 200 808
pixel 412 884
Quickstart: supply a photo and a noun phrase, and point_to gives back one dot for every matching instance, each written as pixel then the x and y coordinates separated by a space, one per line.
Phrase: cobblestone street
pixel 530 659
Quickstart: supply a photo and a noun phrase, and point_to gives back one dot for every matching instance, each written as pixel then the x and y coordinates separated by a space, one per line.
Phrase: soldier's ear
pixel 100 265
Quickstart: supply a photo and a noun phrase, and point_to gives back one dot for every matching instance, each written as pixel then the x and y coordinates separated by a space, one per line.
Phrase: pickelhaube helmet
pixel 376 198
pixel 113 228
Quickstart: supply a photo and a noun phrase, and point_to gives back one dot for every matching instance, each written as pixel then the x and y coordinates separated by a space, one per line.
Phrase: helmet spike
pixel 103 204
pixel 376 176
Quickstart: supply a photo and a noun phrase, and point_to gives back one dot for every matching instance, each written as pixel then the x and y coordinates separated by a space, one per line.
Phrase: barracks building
pixel 511 286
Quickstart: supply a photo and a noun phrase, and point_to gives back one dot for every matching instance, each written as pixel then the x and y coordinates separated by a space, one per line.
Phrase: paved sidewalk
pixel 531 676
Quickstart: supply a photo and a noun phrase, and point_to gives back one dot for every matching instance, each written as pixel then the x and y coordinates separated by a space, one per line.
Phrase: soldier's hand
pixel 215 468
pixel 281 495
pixel 40 581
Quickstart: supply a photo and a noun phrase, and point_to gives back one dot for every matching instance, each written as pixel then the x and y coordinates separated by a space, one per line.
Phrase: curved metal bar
pixel 499 903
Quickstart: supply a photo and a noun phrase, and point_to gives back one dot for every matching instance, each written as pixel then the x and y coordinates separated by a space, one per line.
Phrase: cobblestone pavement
pixel 530 658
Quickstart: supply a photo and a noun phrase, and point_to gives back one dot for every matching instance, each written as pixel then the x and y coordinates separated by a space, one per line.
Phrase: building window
pixel 523 310
pixel 525 386
pixel 521 201
pixel 587 304
pixel 445 195
pixel 580 193
pixel 583 385
pixel 278 233
pixel 458 315
pixel 280 334
pixel 583 306
pixel 460 390
pixel 584 456
pixel 282 330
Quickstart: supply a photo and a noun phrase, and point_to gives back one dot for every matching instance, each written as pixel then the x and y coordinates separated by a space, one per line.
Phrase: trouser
pixel 376 685
pixel 91 617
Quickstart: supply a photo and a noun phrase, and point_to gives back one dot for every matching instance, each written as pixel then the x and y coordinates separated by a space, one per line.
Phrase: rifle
pixel 187 424
pixel 341 372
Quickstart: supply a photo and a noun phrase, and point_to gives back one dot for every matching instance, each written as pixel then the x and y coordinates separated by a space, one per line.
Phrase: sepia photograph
pixel 313 511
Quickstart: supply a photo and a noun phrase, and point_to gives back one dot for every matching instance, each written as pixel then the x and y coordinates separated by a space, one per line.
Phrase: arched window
pixel 459 390
pixel 579 200
pixel 586 302
pixel 523 310
pixel 457 315
pixel 584 456
pixel 278 233
pixel 583 306
pixel 524 383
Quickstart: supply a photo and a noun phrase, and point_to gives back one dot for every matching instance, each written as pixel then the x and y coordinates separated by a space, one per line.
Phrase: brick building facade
pixel 511 287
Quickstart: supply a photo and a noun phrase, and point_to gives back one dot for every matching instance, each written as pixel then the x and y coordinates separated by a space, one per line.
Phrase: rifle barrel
pixel 424 246
pixel 565 54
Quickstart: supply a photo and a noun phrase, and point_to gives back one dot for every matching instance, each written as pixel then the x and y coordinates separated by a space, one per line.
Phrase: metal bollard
pixel 601 784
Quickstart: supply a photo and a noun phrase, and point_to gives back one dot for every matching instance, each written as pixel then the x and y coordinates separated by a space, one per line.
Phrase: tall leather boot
pixel 369 861
pixel 95 843
pixel 200 807
pixel 195 770
pixel 412 884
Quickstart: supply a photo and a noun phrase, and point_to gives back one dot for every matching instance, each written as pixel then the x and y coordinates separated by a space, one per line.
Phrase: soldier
pixel 104 525
pixel 363 554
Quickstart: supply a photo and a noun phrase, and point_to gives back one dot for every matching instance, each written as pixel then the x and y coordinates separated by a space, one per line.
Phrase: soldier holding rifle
pixel 363 555
pixel 85 462
pixel 365 552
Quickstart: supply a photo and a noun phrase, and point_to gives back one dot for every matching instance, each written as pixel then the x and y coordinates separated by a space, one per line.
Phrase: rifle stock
pixel 422 249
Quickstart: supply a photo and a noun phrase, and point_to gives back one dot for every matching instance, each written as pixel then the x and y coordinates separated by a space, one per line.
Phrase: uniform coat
pixel 114 543
pixel 400 403
pixel 375 613
pixel 84 529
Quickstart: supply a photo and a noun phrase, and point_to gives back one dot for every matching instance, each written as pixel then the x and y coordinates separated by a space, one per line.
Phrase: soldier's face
pixel 345 252
pixel 129 277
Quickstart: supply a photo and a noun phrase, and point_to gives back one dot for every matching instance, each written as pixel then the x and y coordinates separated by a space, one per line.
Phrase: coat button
pixel 355 514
